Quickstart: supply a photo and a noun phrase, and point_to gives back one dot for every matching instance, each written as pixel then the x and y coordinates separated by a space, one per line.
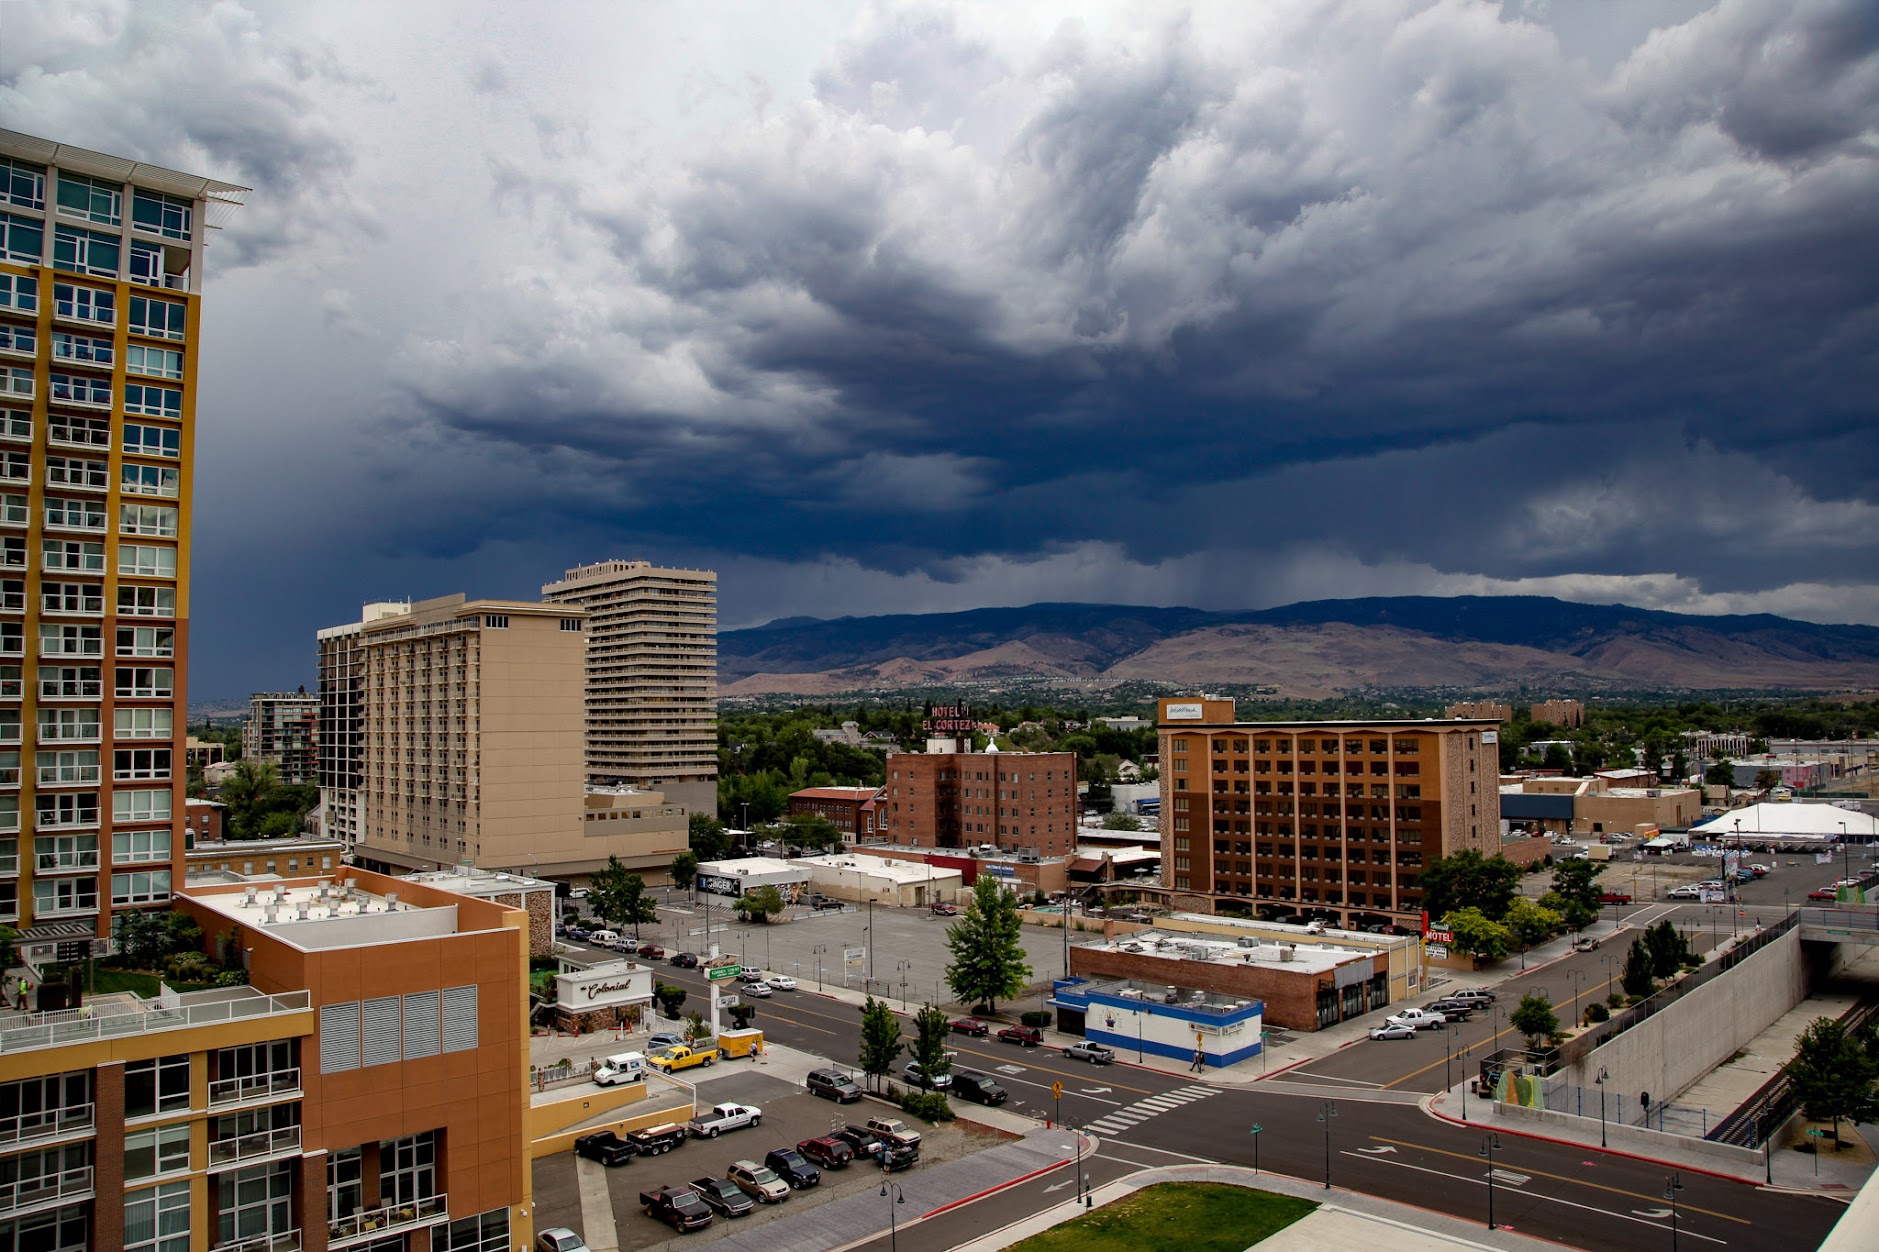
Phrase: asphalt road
pixel 1380 1143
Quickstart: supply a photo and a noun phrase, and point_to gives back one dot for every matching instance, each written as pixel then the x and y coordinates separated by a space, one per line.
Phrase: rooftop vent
pixel 391 900
pixel 247 896
pixel 302 908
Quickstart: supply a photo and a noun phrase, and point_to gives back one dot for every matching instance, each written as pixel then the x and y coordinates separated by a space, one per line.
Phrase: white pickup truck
pixel 1417 1019
pixel 723 1117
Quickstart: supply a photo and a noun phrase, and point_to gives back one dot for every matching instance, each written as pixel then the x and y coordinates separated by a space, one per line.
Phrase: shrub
pixel 190 967
pixel 928 1106
pixel 1038 1018
pixel 1596 1012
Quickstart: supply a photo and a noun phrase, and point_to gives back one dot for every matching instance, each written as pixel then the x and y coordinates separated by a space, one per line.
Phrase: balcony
pixel 46 1191
pixel 103 1019
pixel 66 862
pixel 283 1241
pixel 387 1220
pixel 25 1129
pixel 254 1088
pixel 260 1145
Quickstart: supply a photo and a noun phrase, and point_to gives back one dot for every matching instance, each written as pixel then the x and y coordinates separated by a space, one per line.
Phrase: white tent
pixel 1790 820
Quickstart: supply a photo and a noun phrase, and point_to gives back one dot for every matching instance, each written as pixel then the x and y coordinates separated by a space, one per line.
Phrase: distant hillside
pixel 1308 650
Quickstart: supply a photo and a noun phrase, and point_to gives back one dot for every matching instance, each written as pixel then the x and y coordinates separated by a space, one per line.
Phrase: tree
pixel 761 904
pixel 618 897
pixel 1720 773
pixel 1767 779
pixel 929 1045
pixel 1531 923
pixel 880 1038
pixel 1638 978
pixel 695 1027
pixel 742 1014
pixel 685 870
pixel 1577 882
pixel 1558 757
pixel 1577 915
pixel 812 832
pixel 1667 948
pixel 670 999
pixel 1468 880
pixel 1536 1020
pixel 708 839
pixel 1833 1074
pixel 988 960
pixel 1477 935
pixel 1121 821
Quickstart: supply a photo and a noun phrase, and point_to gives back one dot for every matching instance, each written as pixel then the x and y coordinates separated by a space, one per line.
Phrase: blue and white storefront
pixel 1135 1019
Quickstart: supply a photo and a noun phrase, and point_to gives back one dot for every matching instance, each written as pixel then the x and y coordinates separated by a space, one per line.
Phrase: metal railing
pixel 71 1184
pixel 47 1123
pixel 108 1020
pixel 248 1147
pixel 279 1241
pixel 387 1219
pixel 254 1087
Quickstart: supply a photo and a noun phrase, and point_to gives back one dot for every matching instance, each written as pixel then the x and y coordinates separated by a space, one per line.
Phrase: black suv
pixel 793 1168
pixel 864 1141
pixel 685 960
pixel 970 1084
pixel 833 1085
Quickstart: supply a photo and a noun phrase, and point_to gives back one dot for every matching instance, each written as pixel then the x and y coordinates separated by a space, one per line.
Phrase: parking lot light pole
pixel 900 1197
pixel 819 950
pixel 1327 1112
pixel 1489 1146
pixel 1599 1082
pixel 1672 1185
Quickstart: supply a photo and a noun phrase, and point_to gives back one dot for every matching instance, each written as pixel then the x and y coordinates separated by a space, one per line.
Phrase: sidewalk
pixel 1343 1220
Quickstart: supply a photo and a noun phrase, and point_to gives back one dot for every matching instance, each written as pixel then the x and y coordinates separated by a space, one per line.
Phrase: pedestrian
pixel 25 988
pixel 1200 1062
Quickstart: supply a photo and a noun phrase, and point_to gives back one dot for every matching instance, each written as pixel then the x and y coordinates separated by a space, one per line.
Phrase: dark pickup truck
pixel 723 1195
pixel 605 1147
pixel 657 1139
pixel 679 1207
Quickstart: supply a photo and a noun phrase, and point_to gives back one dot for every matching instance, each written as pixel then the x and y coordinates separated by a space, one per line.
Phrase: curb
pixel 1003 1186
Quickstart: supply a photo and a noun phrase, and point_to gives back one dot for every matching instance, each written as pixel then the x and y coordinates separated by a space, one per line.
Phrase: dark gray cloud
pixel 1227 305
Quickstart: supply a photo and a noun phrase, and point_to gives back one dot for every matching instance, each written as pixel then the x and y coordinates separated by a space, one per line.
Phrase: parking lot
pixel 789 1115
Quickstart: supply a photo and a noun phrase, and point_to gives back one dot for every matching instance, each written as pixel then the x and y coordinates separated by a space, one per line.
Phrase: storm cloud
pixel 896 307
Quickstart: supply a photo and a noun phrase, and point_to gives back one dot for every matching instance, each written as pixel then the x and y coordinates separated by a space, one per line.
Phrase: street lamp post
pixel 1489 1146
pixel 900 1197
pixel 901 968
pixel 870 945
pixel 1578 977
pixel 1672 1185
pixel 1599 1082
pixel 1327 1112
pixel 819 951
pixel 1449 1035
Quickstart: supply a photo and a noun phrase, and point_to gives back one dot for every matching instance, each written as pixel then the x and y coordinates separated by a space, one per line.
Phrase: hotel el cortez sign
pixel 948 720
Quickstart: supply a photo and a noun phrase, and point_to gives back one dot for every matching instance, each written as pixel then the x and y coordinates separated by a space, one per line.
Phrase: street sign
pixel 1056 1089
pixel 718 973
pixel 1256 1129
pixel 1438 952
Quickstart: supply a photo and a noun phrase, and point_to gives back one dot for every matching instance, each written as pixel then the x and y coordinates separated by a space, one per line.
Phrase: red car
pixel 1027 1036
pixel 1823 893
pixel 652 950
pixel 970 1026
pixel 828 1152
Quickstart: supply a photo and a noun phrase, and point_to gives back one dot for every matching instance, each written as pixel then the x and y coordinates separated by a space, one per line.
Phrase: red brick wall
pixel 1290 996
pixel 107 1229
pixel 953 800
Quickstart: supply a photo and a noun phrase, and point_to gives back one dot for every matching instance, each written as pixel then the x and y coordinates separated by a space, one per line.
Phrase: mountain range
pixel 1312 650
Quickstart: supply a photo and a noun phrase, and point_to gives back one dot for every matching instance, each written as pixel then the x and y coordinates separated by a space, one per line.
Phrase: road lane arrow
pixel 1659 1214
pixel 1376 1151
pixel 1059 1186
pixel 1095 1090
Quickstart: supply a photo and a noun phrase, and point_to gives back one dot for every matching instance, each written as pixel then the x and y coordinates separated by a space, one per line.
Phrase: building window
pixel 85 252
pixel 496 621
pixel 84 304
pixel 22 240
pixel 131 846
pixel 137 601
pixel 408 1168
pixel 22 184
pixel 17 291
pixel 62 1230
pixel 160 319
pixel 256 1201
pixel 140 806
pixel 567 623
pixel 162 441
pixel 64 895
pixel 159 1085
pixel 145 682
pixel 82 432
pixel 486 1232
pixel 146 641
pixel 138 560
pixel 92 199
pixel 150 480
pixel 160 214
pixel 345 1184
pixel 150 1153
pixel 156 1219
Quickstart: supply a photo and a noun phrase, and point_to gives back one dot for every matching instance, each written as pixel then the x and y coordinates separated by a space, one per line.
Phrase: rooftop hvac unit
pixel 1173 996
pixel 247 896
pixel 1247 942
pixel 1289 954
pixel 391 900
pixel 1129 993
pixel 301 909
pixel 267 916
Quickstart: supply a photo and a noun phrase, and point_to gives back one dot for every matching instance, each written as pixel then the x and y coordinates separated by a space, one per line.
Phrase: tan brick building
pixel 1328 817
pixel 1489 710
pixel 1566 713
pixel 1016 801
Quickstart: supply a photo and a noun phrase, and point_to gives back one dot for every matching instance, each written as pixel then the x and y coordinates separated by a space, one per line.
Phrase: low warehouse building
pixel 1151 1020
pixel 746 874
pixel 910 884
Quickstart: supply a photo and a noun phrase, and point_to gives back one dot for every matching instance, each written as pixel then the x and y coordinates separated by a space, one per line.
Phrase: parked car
pixel 781 982
pixel 864 1141
pixel 1585 943
pixel 969 1026
pixel 605 1147
pixel 894 1156
pixel 970 1084
pixel 894 1128
pixel 722 1117
pixel 723 1195
pixel 826 903
pixel 1094 1053
pixel 663 1039
pixel 758 1182
pixel 1454 1009
pixel 1473 993
pixel 757 990
pixel 652 951
pixel 576 932
pixel 685 960
pixel 1761 871
pixel 915 1074
pixel 1393 1030
pixel 1823 893
pixel 1684 891
pixel 1025 1036
pixel 1420 1019
pixel 945 910
pixel 560 1239
pixel 749 975
pixel 604 939
pixel 793 1168
pixel 827 1151
pixel 622 1067
pixel 833 1085
pixel 679 1207
pixel 1614 897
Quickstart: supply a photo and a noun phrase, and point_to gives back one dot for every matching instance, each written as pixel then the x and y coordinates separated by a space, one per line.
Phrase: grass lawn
pixel 1175 1217
pixel 142 984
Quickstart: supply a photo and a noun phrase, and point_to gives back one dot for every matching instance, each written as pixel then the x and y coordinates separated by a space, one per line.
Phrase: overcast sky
pixel 896 308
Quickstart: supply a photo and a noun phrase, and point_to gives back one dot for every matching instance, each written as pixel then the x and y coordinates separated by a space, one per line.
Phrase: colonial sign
pixel 615 984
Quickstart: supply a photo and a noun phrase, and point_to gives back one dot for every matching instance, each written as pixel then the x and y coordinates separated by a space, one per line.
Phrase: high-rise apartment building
pixel 1333 818
pixel 468 734
pixel 652 665
pixel 101 262
pixel 282 727
pixel 340 737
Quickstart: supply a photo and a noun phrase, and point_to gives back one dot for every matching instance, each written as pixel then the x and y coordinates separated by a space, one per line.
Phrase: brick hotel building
pixel 1329 817
pixel 101 262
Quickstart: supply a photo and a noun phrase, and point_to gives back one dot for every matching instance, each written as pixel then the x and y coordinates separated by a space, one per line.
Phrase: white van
pixel 604 939
pixel 626 1067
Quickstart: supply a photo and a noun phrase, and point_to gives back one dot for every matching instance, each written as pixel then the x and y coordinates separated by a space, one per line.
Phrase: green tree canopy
pixel 685 870
pixel 1535 1019
pixel 1720 773
pixel 1639 977
pixel 880 1039
pixel 1833 1074
pixel 1121 821
pixel 1577 881
pixel 929 1043
pixel 1478 935
pixel 618 897
pixel 812 831
pixel 708 838
pixel 1531 923
pixel 761 904
pixel 988 962
pixel 1468 880
pixel 259 806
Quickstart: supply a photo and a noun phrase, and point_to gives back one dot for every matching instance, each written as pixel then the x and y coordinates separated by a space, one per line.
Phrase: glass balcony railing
pixel 68 1185
pixel 25 1128
pixel 250 1147
pixel 386 1220
pixel 226 1091
pixel 108 1019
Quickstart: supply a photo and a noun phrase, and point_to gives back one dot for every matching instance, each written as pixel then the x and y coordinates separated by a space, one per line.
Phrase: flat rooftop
pixel 479 882
pixel 1310 955
pixel 1190 999
pixel 325 914
pixel 881 867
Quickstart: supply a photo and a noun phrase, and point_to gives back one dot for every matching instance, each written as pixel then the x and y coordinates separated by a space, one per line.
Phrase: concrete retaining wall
pixel 1636 1139
pixel 1669 1052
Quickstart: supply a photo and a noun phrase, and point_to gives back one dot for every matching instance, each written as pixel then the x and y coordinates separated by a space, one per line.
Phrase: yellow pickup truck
pixel 681 1057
